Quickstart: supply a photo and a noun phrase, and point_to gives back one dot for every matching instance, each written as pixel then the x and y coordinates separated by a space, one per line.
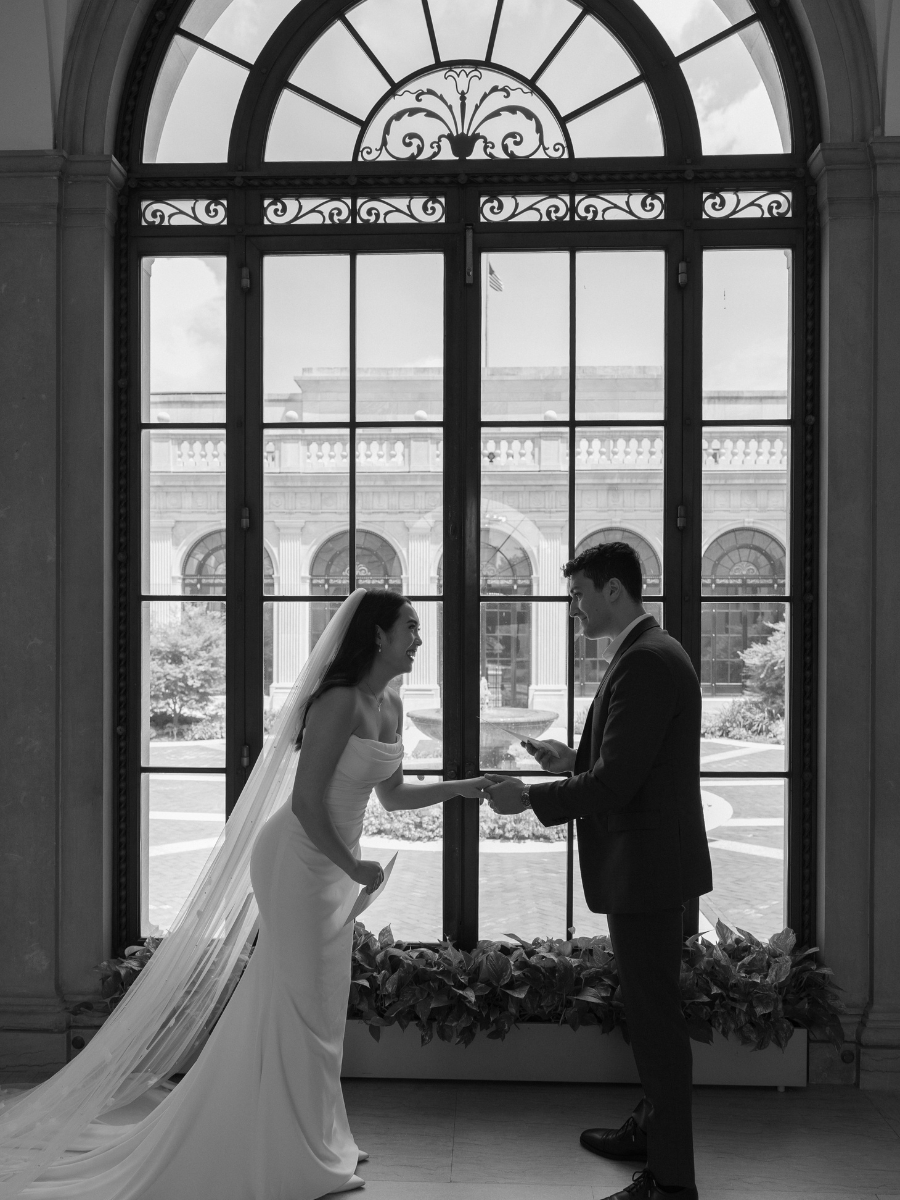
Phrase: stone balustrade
pixel 544 451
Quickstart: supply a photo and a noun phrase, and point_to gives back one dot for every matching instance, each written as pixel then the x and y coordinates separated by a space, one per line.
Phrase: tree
pixel 187 664
pixel 765 668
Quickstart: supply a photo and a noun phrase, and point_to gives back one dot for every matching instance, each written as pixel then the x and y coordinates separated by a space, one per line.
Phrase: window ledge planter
pixel 553 1054
pixel 748 1005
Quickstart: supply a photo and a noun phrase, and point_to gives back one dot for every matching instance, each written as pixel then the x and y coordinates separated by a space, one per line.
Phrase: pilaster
pixel 30 195
pixel 846 209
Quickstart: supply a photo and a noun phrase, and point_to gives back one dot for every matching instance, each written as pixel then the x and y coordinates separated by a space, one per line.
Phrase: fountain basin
pixel 500 727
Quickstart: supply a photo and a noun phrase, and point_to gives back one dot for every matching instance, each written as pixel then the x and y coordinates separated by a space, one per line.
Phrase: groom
pixel 634 792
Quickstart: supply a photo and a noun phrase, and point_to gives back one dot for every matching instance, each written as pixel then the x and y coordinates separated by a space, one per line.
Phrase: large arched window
pixel 486 278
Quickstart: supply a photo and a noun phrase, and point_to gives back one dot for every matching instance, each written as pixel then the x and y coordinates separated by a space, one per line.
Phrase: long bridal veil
pixel 182 990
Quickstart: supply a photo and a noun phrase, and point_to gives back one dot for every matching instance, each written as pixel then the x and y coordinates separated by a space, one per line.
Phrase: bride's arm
pixel 395 795
pixel 330 721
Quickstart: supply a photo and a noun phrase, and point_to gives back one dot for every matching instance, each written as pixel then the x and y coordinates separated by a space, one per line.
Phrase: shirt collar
pixel 612 649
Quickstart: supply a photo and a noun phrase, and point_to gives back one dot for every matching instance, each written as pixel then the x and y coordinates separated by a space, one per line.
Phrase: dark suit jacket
pixel 635 790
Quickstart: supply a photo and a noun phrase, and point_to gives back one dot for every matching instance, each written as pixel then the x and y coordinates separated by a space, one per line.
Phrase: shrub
pixel 746 719
pixel 764 664
pixel 187 665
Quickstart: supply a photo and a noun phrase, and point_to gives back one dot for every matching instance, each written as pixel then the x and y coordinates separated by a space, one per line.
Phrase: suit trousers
pixel 647 947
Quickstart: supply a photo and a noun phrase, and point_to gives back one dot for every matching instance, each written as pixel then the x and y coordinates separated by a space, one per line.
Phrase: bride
pixel 260 1114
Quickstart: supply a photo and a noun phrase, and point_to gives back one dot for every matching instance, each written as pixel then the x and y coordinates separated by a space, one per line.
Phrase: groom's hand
pixel 505 796
pixel 552 755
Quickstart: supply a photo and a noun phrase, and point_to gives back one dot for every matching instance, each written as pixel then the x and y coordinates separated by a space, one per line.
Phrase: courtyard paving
pixel 522 885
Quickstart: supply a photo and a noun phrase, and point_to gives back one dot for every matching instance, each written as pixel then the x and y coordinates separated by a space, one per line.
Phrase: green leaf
pixel 386 937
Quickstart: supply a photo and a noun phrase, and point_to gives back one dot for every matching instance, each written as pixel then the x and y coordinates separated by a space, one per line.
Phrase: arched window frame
pixel 683 172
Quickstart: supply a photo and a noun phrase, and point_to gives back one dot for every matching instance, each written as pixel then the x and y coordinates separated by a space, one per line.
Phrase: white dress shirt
pixel 612 649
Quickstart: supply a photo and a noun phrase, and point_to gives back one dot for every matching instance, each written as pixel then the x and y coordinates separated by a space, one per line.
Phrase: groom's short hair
pixel 609 560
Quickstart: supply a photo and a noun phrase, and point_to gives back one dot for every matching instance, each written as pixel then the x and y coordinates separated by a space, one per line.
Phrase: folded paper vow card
pixel 364 899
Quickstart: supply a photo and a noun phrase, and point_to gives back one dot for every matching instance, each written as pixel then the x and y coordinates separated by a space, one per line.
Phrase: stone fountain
pixel 501 729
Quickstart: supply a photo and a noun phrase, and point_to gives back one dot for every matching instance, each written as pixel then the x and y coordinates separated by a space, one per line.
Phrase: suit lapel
pixel 584 757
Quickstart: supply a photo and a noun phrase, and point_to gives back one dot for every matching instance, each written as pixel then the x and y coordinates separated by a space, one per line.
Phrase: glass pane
pixel 525 336
pixel 412 903
pixel 690 22
pixel 400 337
pixel 193 106
pixel 523 675
pixel 462 27
pixel 306 504
pixel 305 132
pixel 181 819
pixel 399 508
pixel 183 512
pixel 743 674
pixel 739 96
pixel 183 351
pixel 244 26
pixel 524 511
pixel 745 511
pixel 528 31
pixel 591 63
pixel 291 629
pixel 621 128
pixel 396 33
pixel 746 333
pixel 590 665
pixel 183 683
pixel 620 334
pixel 337 68
pixel 745 820
pixel 521 874
pixel 306 337
pixel 423 737
pixel 619 493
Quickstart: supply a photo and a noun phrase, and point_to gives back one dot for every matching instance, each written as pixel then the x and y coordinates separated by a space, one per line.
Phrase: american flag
pixel 494 279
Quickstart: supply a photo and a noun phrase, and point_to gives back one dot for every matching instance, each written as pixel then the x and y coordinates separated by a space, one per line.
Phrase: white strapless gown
pixel 260 1115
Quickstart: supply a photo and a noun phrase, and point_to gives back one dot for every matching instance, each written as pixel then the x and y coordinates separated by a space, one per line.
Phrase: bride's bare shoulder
pixel 337 704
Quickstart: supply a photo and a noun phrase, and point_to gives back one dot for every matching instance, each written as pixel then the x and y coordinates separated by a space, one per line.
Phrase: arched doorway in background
pixel 750 564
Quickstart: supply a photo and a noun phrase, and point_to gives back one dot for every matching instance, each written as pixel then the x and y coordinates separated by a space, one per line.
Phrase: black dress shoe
pixel 628 1142
pixel 645 1187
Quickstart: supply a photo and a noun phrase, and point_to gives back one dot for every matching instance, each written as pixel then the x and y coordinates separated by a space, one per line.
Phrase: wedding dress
pixel 260 1115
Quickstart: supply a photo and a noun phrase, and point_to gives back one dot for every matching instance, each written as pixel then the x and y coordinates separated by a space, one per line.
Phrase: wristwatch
pixel 525 797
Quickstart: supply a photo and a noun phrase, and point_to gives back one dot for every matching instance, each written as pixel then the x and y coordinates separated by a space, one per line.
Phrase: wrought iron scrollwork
pixel 608 206
pixel 345 210
pixel 524 208
pixel 184 212
pixel 461 113
pixel 620 206
pixel 737 203
pixel 307 210
pixel 400 210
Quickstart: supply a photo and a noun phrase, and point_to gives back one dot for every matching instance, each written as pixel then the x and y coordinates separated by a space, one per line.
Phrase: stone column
pixel 548 637
pixel 290 630
pixel 422 689
pixel 846 579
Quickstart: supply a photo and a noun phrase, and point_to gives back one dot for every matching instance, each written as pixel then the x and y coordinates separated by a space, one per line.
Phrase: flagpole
pixel 485 284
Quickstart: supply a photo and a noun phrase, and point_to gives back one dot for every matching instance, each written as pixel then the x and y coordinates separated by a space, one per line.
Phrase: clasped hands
pixel 504 794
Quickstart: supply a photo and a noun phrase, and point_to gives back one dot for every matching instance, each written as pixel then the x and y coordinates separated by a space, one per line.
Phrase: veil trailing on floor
pixel 181 992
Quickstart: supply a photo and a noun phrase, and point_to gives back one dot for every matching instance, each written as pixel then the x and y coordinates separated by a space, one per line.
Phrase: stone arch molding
pixel 108 34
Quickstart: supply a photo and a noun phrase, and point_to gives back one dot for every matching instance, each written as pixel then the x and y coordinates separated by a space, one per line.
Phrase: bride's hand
pixel 369 874
pixel 473 788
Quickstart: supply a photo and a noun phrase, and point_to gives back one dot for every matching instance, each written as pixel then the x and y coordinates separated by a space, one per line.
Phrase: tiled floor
pixel 482 1141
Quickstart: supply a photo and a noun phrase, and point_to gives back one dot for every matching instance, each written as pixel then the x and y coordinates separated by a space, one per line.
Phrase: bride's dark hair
pixel 378 608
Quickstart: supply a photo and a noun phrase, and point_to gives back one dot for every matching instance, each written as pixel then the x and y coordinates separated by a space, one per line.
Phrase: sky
pixel 619 315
